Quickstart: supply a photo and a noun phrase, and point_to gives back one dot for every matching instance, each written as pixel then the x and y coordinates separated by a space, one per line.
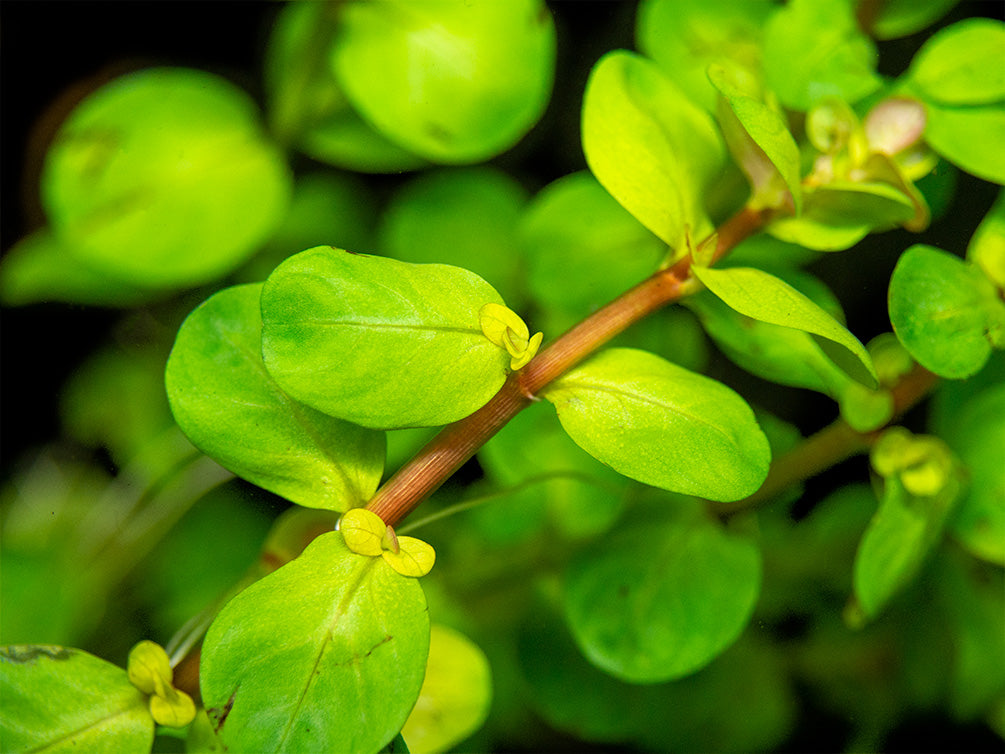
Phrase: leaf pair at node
pixel 504 327
pixel 365 533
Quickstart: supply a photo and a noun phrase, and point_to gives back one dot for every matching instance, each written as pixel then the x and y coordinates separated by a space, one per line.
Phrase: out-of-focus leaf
pixel 899 18
pixel 961 64
pixel 987 246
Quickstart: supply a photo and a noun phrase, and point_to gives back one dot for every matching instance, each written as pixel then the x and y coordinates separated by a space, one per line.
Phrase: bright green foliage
pixel 660 424
pixel 57 699
pixel 921 483
pixel 898 18
pixel 504 327
pixel 945 311
pixel 759 139
pixel 813 49
pixel 233 410
pixel 660 600
pixel 764 297
pixel 325 654
pixel 465 217
pixel 455 697
pixel 366 534
pixel 977 436
pixel 582 249
pixel 453 83
pixel 987 246
pixel 150 671
pixel 163 178
pixel 650 146
pixel 411 333
pixel 685 36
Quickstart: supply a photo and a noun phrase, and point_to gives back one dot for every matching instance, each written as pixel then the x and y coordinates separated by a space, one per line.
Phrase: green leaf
pixel 465 217
pixel 662 425
pixel 813 49
pixel 232 409
pixel 582 249
pixel 57 699
pixel 410 332
pixel 840 214
pixel 977 436
pixel 661 600
pixel 764 297
pixel 945 311
pixel 453 83
pixel 969 137
pixel 899 18
pixel 163 178
pixel 455 697
pixel 920 487
pixel 987 246
pixel 650 147
pixel 759 139
pixel 961 64
pixel 685 36
pixel 325 654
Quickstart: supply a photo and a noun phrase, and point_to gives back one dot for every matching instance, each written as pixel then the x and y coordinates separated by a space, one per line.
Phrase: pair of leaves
pixel 325 654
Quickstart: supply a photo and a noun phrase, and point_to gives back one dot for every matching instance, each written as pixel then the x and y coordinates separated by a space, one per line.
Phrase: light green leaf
pixel 813 49
pixel 455 696
pixel 899 18
pixel 987 246
pixel 759 139
pixel 945 311
pixel 649 146
pixel 661 600
pixel 410 333
pixel 961 64
pixel 969 137
pixel 325 654
pixel 764 297
pixel 232 409
pixel 451 82
pixel 462 216
pixel 685 36
pixel 662 425
pixel 163 178
pixel 58 700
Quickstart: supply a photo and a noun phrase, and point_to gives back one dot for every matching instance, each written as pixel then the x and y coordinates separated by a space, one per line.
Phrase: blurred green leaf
pixel 650 147
pixel 899 18
pixel 338 671
pixel 411 331
pixel 466 217
pixel 945 311
pixel 969 137
pixel 59 699
pixel 685 36
pixel 813 49
pixel 764 297
pixel 961 64
pixel 455 696
pixel 231 408
pixel 453 83
pixel 163 178
pixel 661 600
pixel 987 246
pixel 660 424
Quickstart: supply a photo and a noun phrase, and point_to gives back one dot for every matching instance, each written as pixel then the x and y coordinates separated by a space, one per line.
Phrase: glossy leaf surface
pixel 453 83
pixel 57 699
pixel 663 425
pixel 649 146
pixel 661 600
pixel 764 297
pixel 232 409
pixel 410 332
pixel 163 178
pixel 945 311
pixel 325 654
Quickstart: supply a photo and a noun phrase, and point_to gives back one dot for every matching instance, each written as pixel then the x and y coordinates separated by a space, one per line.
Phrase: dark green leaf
pixel 410 332
pixel 661 600
pixel 453 83
pixel 325 654
pixel 661 424
pixel 231 408
pixel 961 64
pixel 650 147
pixel 163 178
pixel 945 311
pixel 57 699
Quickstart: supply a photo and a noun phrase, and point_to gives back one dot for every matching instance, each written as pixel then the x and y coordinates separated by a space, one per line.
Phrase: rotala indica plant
pixel 579 391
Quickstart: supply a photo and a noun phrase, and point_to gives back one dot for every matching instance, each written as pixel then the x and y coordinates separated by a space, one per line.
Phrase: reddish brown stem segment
pixel 459 441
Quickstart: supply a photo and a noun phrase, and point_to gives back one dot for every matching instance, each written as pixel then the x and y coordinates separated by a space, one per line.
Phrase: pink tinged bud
pixel 895 125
